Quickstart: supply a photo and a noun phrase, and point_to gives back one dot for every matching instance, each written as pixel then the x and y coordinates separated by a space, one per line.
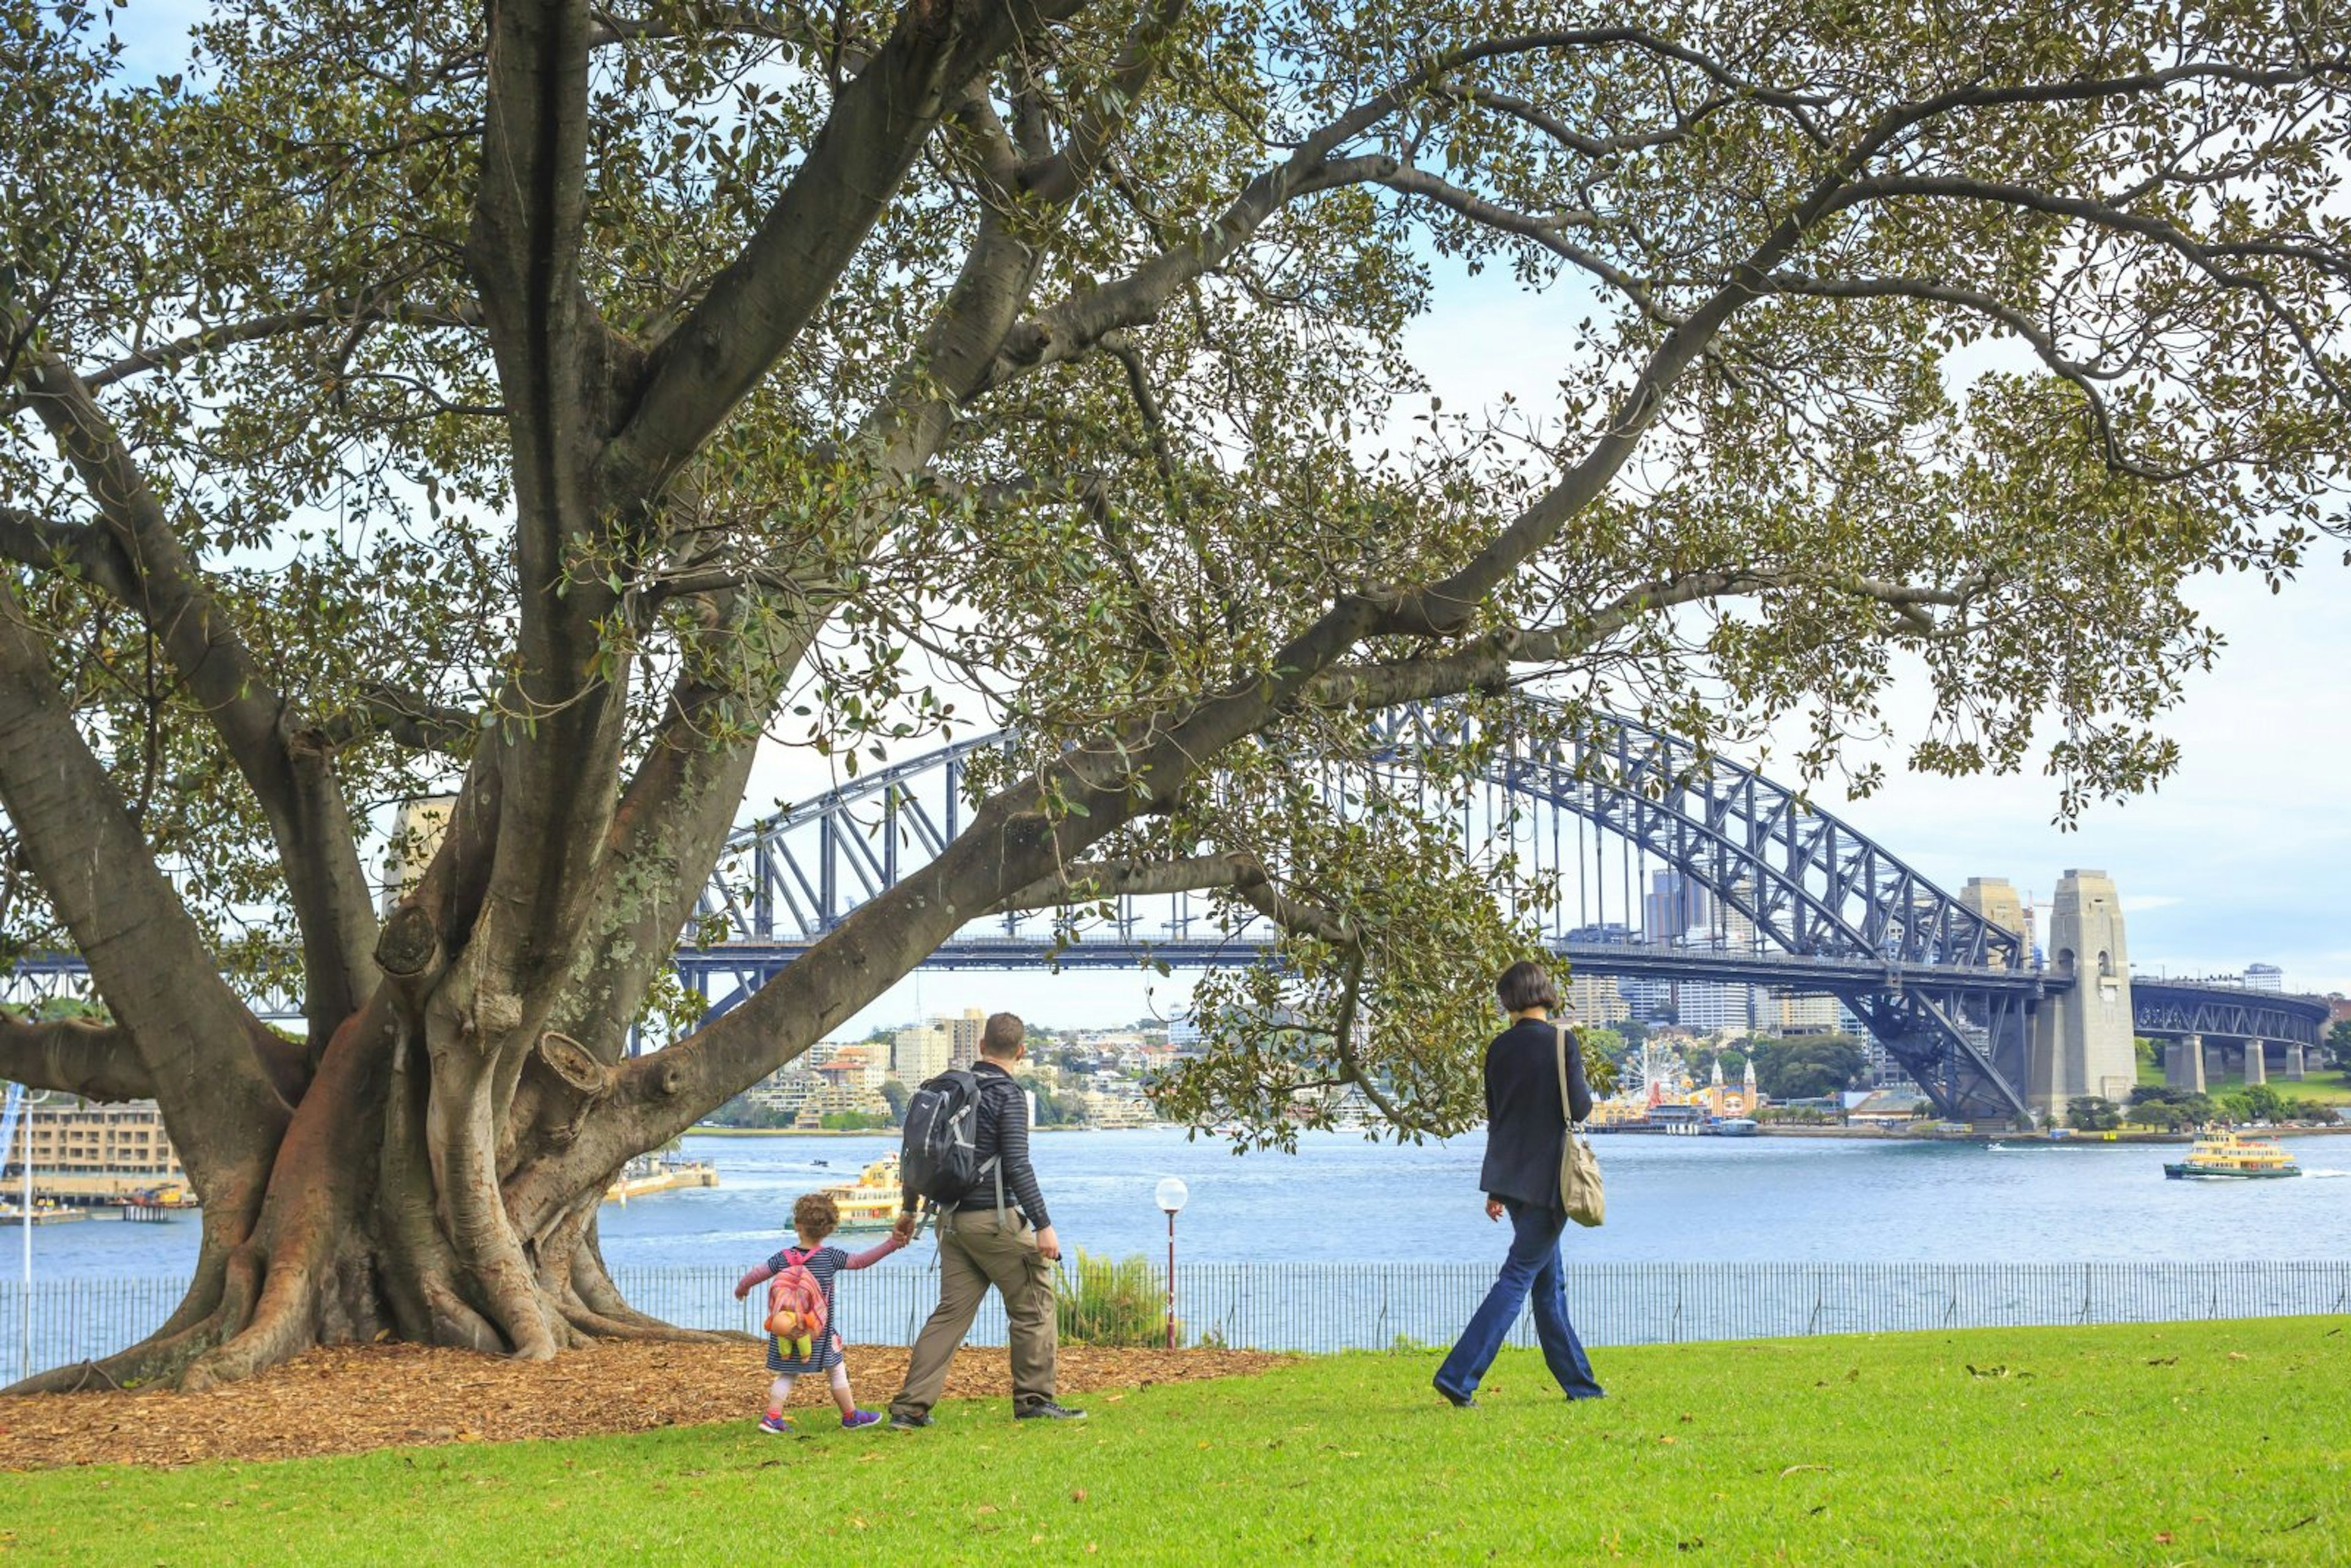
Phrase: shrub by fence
pixel 1111 1302
pixel 1375 1306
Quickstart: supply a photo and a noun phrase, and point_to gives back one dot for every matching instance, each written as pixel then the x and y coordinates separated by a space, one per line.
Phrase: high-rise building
pixel 1806 1015
pixel 963 1036
pixel 1730 930
pixel 920 1051
pixel 1711 1009
pixel 1647 1000
pixel 1595 1000
pixel 2265 978
pixel 1674 902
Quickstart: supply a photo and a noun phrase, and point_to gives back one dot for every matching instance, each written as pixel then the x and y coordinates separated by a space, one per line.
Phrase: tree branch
pixel 36 541
pixel 1350 1065
pixel 202 1052
pixel 758 303
pixel 1544 232
pixel 1063 175
pixel 276 324
pixel 1490 664
pixel 781 24
pixel 2204 258
pixel 97 1061
pixel 296 788
pixel 408 716
pixel 1240 872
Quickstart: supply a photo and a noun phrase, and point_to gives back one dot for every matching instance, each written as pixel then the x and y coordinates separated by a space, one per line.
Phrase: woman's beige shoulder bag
pixel 1579 1167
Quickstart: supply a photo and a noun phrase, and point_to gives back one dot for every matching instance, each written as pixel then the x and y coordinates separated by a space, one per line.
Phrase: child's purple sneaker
pixel 774 1424
pixel 857 1418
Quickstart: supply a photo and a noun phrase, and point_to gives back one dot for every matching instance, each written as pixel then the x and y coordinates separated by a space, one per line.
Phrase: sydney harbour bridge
pixel 1990 1026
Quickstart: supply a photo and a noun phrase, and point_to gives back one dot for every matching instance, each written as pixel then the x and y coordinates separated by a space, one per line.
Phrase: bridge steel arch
pixel 1947 992
pixel 1945 989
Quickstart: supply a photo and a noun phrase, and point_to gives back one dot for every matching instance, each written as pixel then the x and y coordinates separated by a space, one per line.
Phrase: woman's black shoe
pixel 1459 1401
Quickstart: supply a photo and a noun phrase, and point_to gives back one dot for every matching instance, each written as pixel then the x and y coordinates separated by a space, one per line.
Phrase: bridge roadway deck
pixel 1618 960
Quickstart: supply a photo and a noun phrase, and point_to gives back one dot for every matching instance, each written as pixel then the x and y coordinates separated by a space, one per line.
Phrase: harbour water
pixel 1342 1199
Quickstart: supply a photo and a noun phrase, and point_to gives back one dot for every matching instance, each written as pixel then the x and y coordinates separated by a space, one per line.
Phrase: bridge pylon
pixel 2183 1063
pixel 2082 1036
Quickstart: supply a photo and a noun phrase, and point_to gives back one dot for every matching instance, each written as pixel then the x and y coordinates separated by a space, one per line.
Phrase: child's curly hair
pixel 816 1216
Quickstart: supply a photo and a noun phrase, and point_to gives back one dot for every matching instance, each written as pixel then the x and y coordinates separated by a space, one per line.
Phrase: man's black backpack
pixel 940 1159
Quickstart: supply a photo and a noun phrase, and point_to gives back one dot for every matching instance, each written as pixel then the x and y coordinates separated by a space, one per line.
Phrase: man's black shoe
pixel 1459 1401
pixel 1047 1410
pixel 899 1423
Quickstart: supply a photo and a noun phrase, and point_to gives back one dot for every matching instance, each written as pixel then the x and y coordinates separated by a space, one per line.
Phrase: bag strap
pixel 1566 1106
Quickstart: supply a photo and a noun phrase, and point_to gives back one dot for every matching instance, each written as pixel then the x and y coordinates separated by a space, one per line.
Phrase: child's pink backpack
pixel 795 1310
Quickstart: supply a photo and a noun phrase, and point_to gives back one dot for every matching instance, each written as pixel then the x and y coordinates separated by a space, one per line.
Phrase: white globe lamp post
pixel 1171 1193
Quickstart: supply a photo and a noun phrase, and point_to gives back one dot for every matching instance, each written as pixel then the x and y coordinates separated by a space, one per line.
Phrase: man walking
pixel 985 1238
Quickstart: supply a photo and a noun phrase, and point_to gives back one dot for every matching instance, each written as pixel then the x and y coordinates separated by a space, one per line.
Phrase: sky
pixel 2240 858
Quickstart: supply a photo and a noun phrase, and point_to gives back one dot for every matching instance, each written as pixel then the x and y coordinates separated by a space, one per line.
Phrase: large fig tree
pixel 543 403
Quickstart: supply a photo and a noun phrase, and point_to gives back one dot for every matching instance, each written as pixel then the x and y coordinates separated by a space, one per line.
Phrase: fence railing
pixel 1377 1306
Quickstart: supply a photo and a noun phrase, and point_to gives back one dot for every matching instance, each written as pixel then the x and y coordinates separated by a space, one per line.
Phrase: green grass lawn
pixel 2162 1444
pixel 2324 1085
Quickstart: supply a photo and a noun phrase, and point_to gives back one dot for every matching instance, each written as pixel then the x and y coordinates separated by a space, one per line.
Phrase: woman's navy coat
pixel 1524 1131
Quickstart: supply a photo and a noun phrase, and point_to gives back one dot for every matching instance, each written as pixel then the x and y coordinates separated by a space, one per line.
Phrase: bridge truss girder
pixel 2164 1010
pixel 1810 885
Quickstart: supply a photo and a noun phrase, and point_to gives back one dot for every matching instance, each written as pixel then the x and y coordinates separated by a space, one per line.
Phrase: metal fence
pixel 1380 1306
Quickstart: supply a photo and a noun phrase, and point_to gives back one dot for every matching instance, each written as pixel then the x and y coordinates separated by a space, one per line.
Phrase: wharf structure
pixel 93 1153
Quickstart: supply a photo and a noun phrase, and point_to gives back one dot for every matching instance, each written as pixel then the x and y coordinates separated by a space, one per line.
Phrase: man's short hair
pixel 1525 985
pixel 1001 1036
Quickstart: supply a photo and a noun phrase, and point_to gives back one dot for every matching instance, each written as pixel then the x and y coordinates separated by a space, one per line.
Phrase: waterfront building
pixel 92 1154
pixel 859 1066
pixel 2265 978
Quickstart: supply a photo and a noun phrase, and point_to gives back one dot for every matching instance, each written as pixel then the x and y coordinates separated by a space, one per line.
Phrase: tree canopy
pixel 542 404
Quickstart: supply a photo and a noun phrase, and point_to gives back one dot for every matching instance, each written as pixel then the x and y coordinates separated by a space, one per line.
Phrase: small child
pixel 814 1217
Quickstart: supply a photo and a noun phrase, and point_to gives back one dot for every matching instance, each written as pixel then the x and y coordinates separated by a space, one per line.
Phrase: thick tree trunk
pixel 378 1215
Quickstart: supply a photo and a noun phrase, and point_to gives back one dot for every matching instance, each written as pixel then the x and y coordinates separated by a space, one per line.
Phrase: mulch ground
pixel 361 1398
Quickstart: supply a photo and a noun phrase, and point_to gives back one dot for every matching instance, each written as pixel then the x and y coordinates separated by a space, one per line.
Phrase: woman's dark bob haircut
pixel 1525 985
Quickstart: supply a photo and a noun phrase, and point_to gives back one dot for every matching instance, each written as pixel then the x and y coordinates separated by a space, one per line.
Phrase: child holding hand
pixel 815 1217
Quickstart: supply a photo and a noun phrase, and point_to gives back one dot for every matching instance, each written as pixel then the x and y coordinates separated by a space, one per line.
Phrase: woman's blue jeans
pixel 1533 1266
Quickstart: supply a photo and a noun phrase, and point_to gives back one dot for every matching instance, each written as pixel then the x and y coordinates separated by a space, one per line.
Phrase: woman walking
pixel 1526 1132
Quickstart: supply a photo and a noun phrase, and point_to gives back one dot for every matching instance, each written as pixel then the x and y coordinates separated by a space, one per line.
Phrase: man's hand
pixel 1049 1245
pixel 904 1231
pixel 1494 1208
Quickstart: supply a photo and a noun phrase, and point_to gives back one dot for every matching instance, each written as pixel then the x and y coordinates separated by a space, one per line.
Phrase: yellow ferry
pixel 2229 1155
pixel 871 1202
